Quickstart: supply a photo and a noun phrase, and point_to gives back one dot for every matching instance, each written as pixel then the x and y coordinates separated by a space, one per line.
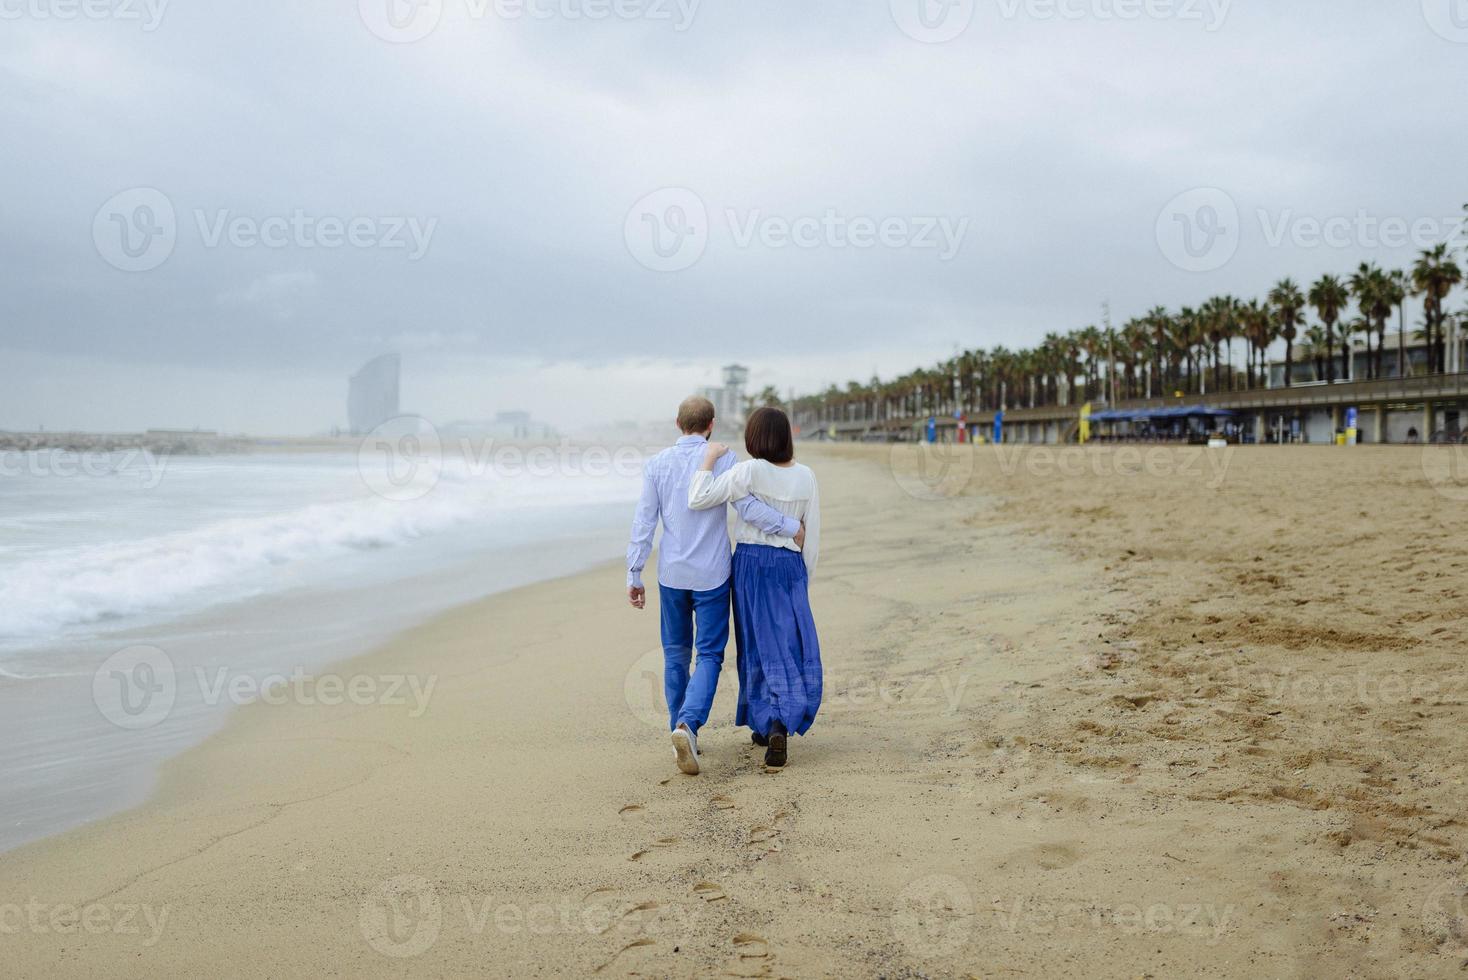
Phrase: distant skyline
pixel 217 214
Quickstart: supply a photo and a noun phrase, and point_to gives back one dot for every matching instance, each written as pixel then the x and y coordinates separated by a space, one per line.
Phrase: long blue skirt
pixel 779 656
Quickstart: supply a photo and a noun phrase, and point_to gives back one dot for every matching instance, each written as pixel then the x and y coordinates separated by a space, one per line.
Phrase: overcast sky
pixel 213 213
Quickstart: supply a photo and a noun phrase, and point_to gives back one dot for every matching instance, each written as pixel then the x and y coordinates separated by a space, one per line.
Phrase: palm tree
pixel 1395 289
pixel 1317 349
pixel 1287 302
pixel 1433 277
pixel 1329 296
pixel 1371 287
pixel 1160 325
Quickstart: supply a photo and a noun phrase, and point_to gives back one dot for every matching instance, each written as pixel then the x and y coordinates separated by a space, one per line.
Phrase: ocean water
pixel 247 566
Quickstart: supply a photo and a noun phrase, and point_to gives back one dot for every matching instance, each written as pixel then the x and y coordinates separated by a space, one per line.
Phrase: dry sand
pixel 1104 712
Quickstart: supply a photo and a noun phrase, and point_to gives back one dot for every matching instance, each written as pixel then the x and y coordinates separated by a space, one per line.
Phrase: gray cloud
pixel 526 141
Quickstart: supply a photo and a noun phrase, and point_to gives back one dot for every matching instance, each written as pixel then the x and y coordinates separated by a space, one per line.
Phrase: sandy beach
pixel 1100 712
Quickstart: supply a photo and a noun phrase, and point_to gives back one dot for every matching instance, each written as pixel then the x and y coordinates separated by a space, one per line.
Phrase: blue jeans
pixel 691 699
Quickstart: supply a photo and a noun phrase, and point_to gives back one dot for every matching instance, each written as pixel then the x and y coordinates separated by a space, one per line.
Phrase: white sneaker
pixel 685 747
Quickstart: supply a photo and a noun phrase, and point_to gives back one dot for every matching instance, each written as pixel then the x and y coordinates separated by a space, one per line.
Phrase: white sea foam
pixel 92 582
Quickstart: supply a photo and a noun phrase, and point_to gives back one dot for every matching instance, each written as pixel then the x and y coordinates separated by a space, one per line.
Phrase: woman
pixel 779 656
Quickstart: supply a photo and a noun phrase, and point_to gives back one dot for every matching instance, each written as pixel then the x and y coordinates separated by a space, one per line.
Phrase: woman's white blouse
pixel 791 490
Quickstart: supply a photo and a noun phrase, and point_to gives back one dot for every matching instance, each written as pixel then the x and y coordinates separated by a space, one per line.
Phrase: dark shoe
pixel 775 754
pixel 758 739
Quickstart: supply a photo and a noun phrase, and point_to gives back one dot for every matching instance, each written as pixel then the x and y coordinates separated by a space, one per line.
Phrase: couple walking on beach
pixel 777 534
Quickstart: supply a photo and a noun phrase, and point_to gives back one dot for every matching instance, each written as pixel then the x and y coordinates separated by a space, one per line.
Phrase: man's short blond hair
pixel 696 414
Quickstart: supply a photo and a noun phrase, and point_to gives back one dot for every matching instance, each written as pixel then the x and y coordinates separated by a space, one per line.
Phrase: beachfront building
pixel 1313 365
pixel 372 394
pixel 1416 409
pixel 728 399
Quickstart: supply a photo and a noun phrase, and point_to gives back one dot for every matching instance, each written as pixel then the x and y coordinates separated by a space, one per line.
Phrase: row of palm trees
pixel 1164 352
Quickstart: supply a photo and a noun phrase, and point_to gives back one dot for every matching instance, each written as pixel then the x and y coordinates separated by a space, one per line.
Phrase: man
pixel 693 572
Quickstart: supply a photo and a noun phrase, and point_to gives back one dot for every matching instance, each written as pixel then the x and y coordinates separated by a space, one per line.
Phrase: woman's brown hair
pixel 767 436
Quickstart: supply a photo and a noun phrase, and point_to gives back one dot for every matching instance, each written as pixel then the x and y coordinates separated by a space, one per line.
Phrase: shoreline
pixel 1038 752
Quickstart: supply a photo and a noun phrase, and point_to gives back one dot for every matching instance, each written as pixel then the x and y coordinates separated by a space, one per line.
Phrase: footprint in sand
pixel 660 842
pixel 631 810
pixel 722 803
pixel 1053 857
pixel 634 944
pixel 752 956
pixel 709 892
pixel 764 839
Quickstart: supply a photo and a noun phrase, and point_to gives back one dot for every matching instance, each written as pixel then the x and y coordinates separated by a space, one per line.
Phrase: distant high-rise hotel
pixel 729 400
pixel 372 394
